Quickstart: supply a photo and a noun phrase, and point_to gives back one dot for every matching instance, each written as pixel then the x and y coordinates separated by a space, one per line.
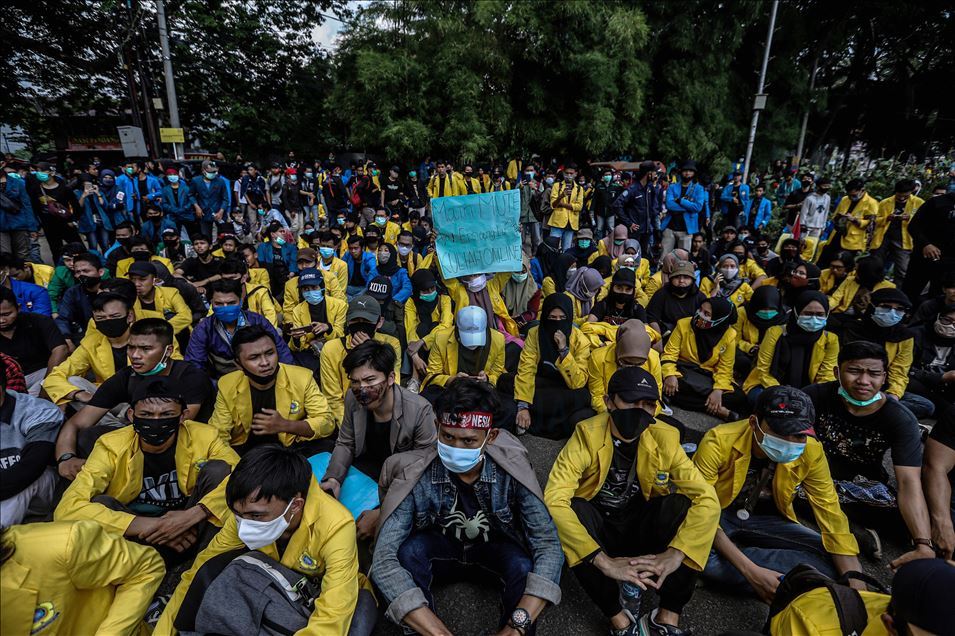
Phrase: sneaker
pixel 649 627
pixel 869 542
pixel 633 629
pixel 156 609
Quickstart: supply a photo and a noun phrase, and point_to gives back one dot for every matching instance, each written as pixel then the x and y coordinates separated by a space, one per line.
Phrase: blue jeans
pixel 605 226
pixel 921 407
pixel 769 541
pixel 566 236
pixel 429 554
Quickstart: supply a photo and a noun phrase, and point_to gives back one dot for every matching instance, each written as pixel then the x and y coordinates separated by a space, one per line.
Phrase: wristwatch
pixel 65 456
pixel 520 620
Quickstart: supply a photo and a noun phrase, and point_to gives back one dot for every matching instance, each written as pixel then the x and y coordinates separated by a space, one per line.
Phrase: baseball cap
pixel 141 268
pixel 380 288
pixel 306 254
pixel 170 231
pixel 922 595
pixel 364 307
pixel 633 384
pixel 585 234
pixel 156 388
pixel 683 268
pixel 472 326
pixel 310 276
pixel 787 410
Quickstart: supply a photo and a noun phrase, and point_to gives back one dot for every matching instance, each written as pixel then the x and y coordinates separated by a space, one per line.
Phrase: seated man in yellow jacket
pixel 315 320
pixel 166 300
pixel 756 465
pixel 632 509
pixel 66 578
pixel 335 273
pixel 255 298
pixel 141 250
pixel 152 482
pixel 266 401
pixel 277 507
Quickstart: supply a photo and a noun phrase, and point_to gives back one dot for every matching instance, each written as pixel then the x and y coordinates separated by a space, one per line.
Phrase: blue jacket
pixel 210 196
pixel 253 185
pixel 24 220
pixel 691 205
pixel 154 234
pixel 265 253
pixel 206 339
pixel 228 193
pixel 181 211
pixel 400 285
pixel 763 213
pixel 639 205
pixel 726 197
pixel 74 311
pixel 537 273
pixel 130 187
pixel 31 298
pixel 369 266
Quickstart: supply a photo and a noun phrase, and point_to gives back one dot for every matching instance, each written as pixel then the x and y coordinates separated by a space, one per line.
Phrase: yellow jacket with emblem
pixel 442 317
pixel 841 299
pixel 443 358
pixel 603 364
pixel 882 222
pixel 561 217
pixel 440 186
pixel 300 316
pixel 459 296
pixel 739 297
pixel 814 614
pixel 825 353
pixel 334 379
pixel 122 267
pixel 682 347
pixel 76 578
pixel 93 354
pixel 297 397
pixel 169 303
pixel 323 546
pixel 115 468
pixel 42 274
pixel 662 468
pixel 723 458
pixel 573 368
pixel 855 236
pixel 333 288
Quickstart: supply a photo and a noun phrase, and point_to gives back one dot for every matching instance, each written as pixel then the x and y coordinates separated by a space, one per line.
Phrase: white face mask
pixel 477 283
pixel 404 250
pixel 258 534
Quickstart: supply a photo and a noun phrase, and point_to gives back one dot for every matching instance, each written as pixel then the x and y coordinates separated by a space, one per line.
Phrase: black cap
pixel 787 410
pixel 633 384
pixel 156 388
pixel 689 165
pixel 142 268
pixel 380 288
pixel 922 595
pixel 890 295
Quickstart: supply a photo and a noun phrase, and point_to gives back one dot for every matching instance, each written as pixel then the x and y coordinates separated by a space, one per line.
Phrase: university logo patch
pixel 294 407
pixel 661 479
pixel 43 617
pixel 306 562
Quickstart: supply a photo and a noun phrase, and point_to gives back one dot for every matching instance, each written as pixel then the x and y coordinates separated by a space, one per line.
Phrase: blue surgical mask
pixel 778 450
pixel 811 324
pixel 42 177
pixel 279 241
pixel 549 180
pixel 314 297
pixel 340 221
pixel 173 178
pixel 381 220
pixel 607 178
pixel 887 317
pixel 767 314
pixel 854 402
pixel 519 278
pixel 211 175
pixel 326 252
pixel 14 175
pixel 227 313
pixel 459 460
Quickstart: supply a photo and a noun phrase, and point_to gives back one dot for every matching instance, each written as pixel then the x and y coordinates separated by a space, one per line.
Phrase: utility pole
pixel 172 102
pixel 760 102
pixel 805 117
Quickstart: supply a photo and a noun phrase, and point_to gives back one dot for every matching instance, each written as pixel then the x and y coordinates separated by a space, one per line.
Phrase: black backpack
pixel 850 608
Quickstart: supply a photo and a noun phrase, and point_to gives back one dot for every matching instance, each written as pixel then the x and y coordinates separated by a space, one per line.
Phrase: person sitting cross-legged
pixel 756 465
pixel 632 510
pixel 470 503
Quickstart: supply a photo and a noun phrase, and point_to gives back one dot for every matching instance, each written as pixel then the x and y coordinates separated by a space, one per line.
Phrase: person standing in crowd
pixel 210 200
pixel 531 192
pixel 685 207
pixel 566 200
pixel 814 213
pixel 638 207
pixel 735 201
pixel 17 219
pixel 933 246
pixel 854 221
pixel 891 239
pixel 757 211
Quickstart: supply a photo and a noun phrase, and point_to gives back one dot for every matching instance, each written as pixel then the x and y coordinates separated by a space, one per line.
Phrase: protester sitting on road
pixel 727 282
pixel 255 298
pixel 631 508
pixel 631 347
pixel 165 300
pixel 470 349
pixel 678 299
pixel 426 313
pixel 33 340
pixel 475 469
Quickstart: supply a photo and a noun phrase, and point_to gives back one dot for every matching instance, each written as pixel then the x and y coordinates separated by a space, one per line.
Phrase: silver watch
pixel 520 619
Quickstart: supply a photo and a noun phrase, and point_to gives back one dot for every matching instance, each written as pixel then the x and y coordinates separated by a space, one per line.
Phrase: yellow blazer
pixel 723 458
pixel 443 358
pixel 855 236
pixel 842 298
pixel 886 208
pixel 334 379
pixel 662 468
pixel 739 297
pixel 459 296
pixel 442 314
pixel 568 219
pixel 603 364
pixel 260 276
pixel 682 346
pixel 335 311
pixel 573 368
pixel 333 289
pixel 122 267
pixel 42 274
pixel 825 353
pixel 173 308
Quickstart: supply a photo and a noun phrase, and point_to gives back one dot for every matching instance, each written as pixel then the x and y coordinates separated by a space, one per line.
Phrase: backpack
pixel 246 592
pixel 849 605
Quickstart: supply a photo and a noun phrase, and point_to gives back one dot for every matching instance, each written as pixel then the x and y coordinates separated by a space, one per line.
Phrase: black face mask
pixel 261 379
pixel 155 431
pixel 124 241
pixel 617 298
pixel 112 327
pixel 631 422
pixel 361 327
pixel 89 282
pixel 681 292
pixel 140 256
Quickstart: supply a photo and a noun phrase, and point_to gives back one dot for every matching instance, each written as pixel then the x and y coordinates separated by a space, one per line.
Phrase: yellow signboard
pixel 172 136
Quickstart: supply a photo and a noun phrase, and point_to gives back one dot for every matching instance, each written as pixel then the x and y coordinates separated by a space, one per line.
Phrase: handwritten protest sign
pixel 478 233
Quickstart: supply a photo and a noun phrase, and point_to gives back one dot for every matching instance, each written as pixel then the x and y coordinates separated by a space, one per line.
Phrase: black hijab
pixel 723 316
pixel 604 265
pixel 421 280
pixel 390 268
pixel 867 329
pixel 765 297
pixel 793 352
pixel 547 253
pixel 559 271
pixel 545 333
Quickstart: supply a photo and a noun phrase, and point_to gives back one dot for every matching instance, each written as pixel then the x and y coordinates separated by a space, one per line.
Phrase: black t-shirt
pixel 356 279
pixel 377 448
pixel 621 488
pixel 760 470
pixel 148 306
pixel 120 361
pixel 34 337
pixel 392 189
pixel 191 383
pixel 856 445
pixel 261 399
pixel 466 522
pixel 194 269
pixel 160 491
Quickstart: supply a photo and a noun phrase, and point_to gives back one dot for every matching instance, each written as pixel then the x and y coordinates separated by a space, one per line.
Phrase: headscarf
pixel 632 341
pixel 421 239
pixel 635 245
pixel 518 295
pixel 603 265
pixel 390 268
pixel 765 297
pixel 867 329
pixel 584 287
pixel 547 254
pixel 723 315
pixel 559 271
pixel 728 287
pixel 668 262
pixel 583 254
pixel 481 299
pixel 619 232
pixel 548 327
pixel 421 280
pixel 793 352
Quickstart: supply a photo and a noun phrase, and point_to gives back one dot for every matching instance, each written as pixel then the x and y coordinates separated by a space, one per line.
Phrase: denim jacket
pixel 514 509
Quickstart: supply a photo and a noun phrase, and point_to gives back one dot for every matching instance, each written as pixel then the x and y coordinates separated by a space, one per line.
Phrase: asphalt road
pixel 473 610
